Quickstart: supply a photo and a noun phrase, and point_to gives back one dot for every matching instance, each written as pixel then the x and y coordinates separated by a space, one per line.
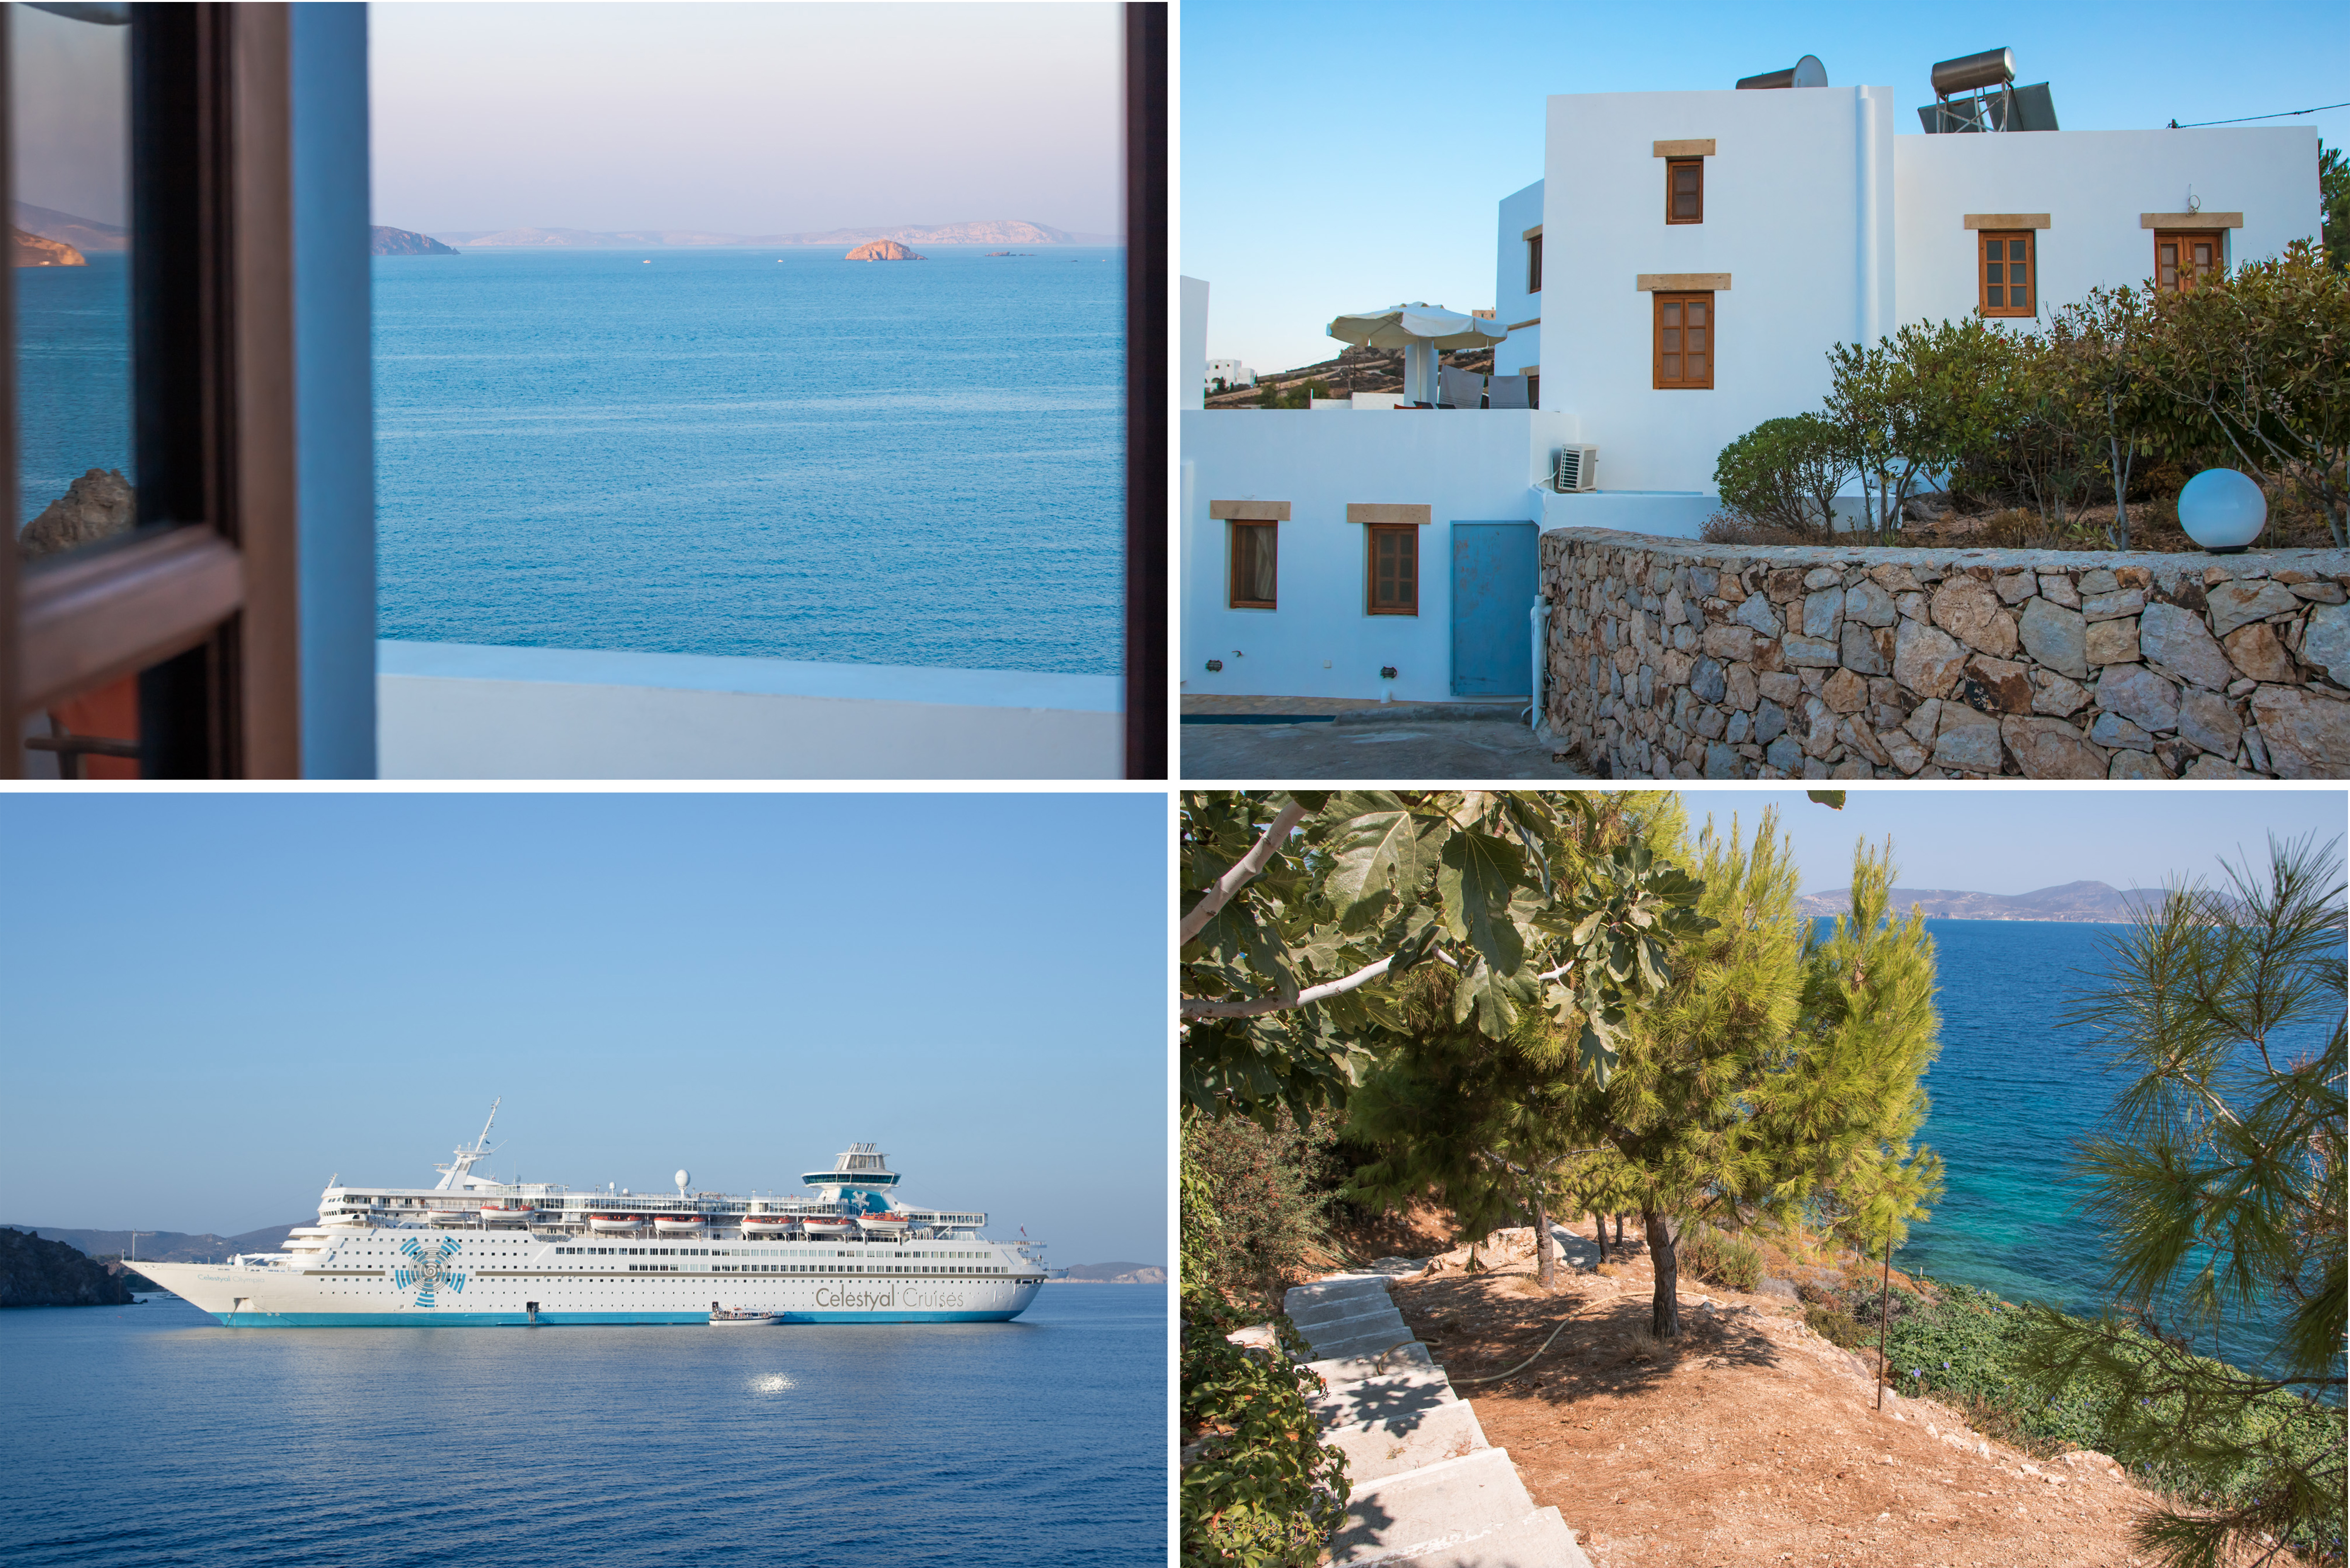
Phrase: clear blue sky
pixel 1976 840
pixel 209 1004
pixel 744 119
pixel 1344 157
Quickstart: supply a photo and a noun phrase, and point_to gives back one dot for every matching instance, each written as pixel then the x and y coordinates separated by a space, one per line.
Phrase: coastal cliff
pixel 38 250
pixel 885 250
pixel 99 505
pixel 37 1272
pixel 383 242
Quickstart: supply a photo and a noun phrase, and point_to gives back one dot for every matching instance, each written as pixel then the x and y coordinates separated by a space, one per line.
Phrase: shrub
pixel 1783 473
pixel 1722 1259
pixel 1255 1204
pixel 1261 1489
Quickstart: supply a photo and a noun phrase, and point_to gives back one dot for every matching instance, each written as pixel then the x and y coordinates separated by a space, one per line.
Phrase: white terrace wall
pixel 1675 660
pixel 1516 307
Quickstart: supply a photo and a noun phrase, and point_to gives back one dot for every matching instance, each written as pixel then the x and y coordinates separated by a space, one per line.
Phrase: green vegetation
pixel 1720 1259
pixel 2333 198
pixel 2249 368
pixel 1260 1490
pixel 1262 1205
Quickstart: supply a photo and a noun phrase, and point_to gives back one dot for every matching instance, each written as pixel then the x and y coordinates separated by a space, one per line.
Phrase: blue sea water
pixel 724 450
pixel 150 1435
pixel 2013 1091
pixel 752 452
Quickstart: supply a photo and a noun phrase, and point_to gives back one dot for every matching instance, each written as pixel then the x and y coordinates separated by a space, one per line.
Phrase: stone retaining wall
pixel 1674 659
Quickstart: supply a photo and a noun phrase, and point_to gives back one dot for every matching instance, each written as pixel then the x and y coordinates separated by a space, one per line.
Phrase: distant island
pixel 2088 901
pixel 1011 253
pixel 985 231
pixel 87 236
pixel 169 1246
pixel 1113 1274
pixel 885 250
pixel 37 1271
pixel 40 250
pixel 383 242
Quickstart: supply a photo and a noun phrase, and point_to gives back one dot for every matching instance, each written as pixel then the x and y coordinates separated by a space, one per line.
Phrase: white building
pixel 1231 372
pixel 1676 278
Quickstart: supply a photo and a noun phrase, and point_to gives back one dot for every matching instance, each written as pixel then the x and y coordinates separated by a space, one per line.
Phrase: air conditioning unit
pixel 1578 469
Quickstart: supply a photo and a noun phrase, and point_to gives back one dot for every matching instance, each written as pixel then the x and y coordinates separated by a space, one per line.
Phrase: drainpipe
pixel 1540 616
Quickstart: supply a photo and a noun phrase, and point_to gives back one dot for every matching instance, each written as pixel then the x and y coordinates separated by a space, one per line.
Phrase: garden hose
pixel 1529 1361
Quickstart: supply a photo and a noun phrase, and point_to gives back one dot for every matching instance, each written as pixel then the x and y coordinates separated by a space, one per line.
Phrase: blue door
pixel 1494 571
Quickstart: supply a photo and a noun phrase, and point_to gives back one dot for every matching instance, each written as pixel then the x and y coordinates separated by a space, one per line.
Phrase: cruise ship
pixel 472 1252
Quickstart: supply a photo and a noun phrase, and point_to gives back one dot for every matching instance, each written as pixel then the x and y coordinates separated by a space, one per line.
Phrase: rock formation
pixel 37 249
pixel 383 242
pixel 885 250
pixel 37 1272
pixel 99 505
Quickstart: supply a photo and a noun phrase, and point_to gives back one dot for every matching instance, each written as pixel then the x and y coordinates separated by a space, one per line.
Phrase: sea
pixel 2012 1093
pixel 722 451
pixel 150 1435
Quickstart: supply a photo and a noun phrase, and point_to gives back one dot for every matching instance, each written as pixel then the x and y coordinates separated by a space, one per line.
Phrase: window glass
pixel 1684 340
pixel 1255 574
pixel 1395 570
pixel 1685 190
pixel 1534 264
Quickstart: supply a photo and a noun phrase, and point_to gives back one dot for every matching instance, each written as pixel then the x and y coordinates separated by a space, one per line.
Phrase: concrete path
pixel 1397 743
pixel 1427 1488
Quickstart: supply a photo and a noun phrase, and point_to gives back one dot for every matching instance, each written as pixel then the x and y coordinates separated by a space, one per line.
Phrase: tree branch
pixel 1196 918
pixel 1256 1007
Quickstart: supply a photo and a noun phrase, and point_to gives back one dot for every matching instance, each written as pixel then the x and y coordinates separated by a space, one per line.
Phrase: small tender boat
pixel 829 1225
pixel 677 1224
pixel 726 1318
pixel 770 1224
pixel 507 1214
pixel 884 1224
pixel 449 1216
pixel 615 1224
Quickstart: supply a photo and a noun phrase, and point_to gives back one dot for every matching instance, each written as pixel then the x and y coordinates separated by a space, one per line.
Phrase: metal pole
pixel 1884 1300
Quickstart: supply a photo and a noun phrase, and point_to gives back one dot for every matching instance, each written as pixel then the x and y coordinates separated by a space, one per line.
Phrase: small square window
pixel 1394 568
pixel 1255 566
pixel 1685 190
pixel 1684 340
pixel 2180 258
pixel 2004 272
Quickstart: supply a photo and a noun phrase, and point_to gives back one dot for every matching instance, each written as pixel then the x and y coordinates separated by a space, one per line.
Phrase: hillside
pixel 987 232
pixel 2072 901
pixel 35 1270
pixel 84 234
pixel 1116 1273
pixel 383 242
pixel 1356 369
pixel 169 1246
pixel 37 249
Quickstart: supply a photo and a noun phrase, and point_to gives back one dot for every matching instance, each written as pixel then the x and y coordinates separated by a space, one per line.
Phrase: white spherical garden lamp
pixel 2223 510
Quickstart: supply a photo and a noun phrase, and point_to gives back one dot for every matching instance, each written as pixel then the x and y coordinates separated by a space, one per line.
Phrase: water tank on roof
pixel 1806 72
pixel 1970 73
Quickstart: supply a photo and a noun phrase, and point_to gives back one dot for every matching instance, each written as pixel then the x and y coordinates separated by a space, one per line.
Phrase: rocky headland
pixel 87 236
pixel 383 242
pixel 100 505
pixel 40 250
pixel 35 1271
pixel 885 250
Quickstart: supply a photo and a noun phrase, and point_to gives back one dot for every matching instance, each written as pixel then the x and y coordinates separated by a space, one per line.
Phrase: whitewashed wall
pixel 2094 185
pixel 1193 297
pixel 1520 210
pixel 1478 466
pixel 1798 202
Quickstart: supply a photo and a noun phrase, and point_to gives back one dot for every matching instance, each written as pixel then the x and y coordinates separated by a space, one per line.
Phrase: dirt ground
pixel 1750 1440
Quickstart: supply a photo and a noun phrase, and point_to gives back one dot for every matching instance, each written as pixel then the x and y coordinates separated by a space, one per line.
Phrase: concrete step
pixel 1434 1507
pixel 1541 1540
pixel 1329 1309
pixel 1405 1441
pixel 1371 1399
pixel 1339 1371
pixel 1300 1298
pixel 1372 1338
pixel 1354 1323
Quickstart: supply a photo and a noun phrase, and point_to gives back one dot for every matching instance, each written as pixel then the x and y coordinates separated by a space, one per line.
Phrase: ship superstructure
pixel 473 1251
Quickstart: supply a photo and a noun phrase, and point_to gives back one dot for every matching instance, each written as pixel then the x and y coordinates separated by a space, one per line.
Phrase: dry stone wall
pixel 1674 659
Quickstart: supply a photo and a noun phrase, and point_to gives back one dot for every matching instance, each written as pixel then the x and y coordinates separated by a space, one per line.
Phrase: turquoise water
pixel 73 376
pixel 138 1437
pixel 739 451
pixel 2013 1091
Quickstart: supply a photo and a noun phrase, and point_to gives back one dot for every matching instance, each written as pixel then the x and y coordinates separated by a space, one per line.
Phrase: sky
pixel 1350 157
pixel 68 86
pixel 747 119
pixel 1973 839
pixel 209 1004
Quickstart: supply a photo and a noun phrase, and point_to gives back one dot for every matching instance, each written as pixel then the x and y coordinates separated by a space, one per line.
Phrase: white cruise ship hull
pixel 427 1278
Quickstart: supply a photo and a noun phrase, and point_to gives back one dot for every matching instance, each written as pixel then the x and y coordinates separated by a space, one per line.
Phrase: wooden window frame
pixel 2183 238
pixel 2030 273
pixel 1661 298
pixel 1673 163
pixel 199 599
pixel 1372 533
pixel 1232 599
pixel 1533 261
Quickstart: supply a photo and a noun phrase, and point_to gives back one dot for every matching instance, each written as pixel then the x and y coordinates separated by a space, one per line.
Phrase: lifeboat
pixel 770 1224
pixel 829 1225
pixel 507 1214
pixel 449 1216
pixel 678 1224
pixel 615 1224
pixel 884 1224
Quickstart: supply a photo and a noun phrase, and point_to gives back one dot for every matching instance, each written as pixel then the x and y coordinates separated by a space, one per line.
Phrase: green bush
pixel 1260 1489
pixel 1255 1205
pixel 1784 473
pixel 1720 1258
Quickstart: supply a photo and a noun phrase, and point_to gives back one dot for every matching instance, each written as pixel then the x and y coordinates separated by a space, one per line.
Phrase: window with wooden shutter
pixel 1394 568
pixel 1533 263
pixel 2179 258
pixel 1685 340
pixel 1685 190
pixel 2003 274
pixel 1255 566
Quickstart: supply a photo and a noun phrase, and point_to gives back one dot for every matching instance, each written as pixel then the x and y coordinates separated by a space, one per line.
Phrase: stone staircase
pixel 1428 1490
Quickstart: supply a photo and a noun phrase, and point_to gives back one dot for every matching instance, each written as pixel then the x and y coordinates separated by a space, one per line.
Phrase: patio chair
pixel 1460 388
pixel 1508 392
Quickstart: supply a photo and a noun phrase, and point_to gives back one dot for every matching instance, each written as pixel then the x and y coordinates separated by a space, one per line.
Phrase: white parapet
pixel 466 711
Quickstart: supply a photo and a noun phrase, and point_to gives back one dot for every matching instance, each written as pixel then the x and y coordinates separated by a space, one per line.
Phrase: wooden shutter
pixel 1394 569
pixel 1685 190
pixel 2180 256
pixel 1685 340
pixel 1255 566
pixel 2004 271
